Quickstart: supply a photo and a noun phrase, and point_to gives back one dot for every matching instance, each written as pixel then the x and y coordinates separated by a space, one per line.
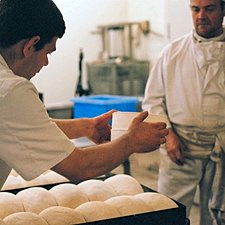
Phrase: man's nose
pixel 201 13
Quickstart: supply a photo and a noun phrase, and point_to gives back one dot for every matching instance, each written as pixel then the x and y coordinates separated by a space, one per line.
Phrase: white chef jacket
pixel 29 142
pixel 188 85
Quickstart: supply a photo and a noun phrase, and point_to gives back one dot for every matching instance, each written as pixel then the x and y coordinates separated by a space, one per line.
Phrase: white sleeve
pixel 30 142
pixel 154 98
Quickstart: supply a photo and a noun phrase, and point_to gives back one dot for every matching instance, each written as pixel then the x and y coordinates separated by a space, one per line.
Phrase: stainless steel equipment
pixel 126 78
pixel 117 39
pixel 117 72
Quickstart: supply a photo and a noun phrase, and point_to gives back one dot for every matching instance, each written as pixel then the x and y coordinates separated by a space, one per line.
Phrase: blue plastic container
pixel 94 105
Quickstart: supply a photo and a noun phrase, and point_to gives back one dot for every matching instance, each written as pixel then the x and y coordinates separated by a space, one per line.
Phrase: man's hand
pixel 101 129
pixel 173 148
pixel 145 136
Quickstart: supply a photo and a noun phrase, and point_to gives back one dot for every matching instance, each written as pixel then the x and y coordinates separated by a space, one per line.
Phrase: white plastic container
pixel 122 120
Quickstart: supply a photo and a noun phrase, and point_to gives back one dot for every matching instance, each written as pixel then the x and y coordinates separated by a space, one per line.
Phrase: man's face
pixel 207 17
pixel 38 59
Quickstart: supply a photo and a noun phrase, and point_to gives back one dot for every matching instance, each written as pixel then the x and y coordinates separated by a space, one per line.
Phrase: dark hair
pixel 22 19
pixel 222 4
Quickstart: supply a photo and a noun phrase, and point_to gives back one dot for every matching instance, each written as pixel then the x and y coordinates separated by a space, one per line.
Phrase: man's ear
pixel 29 46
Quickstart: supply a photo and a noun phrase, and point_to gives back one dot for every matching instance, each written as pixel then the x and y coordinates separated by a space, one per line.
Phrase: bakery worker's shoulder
pixel 11 83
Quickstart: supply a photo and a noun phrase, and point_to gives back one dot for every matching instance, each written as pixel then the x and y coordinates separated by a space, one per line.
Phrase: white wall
pixel 166 23
pixel 58 80
pixel 179 21
pixel 154 12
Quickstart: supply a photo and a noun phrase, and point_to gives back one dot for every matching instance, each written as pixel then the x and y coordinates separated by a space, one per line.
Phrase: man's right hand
pixel 173 148
pixel 144 136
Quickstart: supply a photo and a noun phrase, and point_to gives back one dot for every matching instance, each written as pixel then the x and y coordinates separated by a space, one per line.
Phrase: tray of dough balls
pixel 108 200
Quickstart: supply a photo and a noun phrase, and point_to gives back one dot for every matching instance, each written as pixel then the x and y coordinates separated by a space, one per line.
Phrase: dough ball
pixel 24 218
pixel 96 190
pixel 128 205
pixel 36 199
pixel 124 184
pixel 97 210
pixel 68 195
pixel 9 204
pixel 157 201
pixel 59 215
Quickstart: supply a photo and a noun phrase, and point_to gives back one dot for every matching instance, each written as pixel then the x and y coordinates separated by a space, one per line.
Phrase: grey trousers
pixel 217 203
pixel 180 183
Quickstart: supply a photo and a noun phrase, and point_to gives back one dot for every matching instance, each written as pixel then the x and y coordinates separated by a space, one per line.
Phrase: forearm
pixel 93 161
pixel 96 160
pixel 74 128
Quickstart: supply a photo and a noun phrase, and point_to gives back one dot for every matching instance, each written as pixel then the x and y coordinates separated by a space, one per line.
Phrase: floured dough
pixel 124 184
pixel 9 203
pixel 97 210
pixel 97 190
pixel 36 199
pixel 68 195
pixel 58 215
pixel 128 205
pixel 24 218
pixel 157 201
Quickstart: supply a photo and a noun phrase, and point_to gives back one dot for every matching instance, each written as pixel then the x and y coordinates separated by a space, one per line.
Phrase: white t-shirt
pixel 29 141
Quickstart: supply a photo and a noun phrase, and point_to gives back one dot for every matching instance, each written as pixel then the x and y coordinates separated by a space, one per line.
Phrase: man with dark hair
pixel 26 21
pixel 31 142
pixel 187 84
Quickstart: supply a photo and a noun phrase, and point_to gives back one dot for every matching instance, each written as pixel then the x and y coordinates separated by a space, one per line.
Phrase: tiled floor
pixel 144 169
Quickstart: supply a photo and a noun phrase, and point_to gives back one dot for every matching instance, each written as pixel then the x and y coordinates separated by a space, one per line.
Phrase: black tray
pixel 175 216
